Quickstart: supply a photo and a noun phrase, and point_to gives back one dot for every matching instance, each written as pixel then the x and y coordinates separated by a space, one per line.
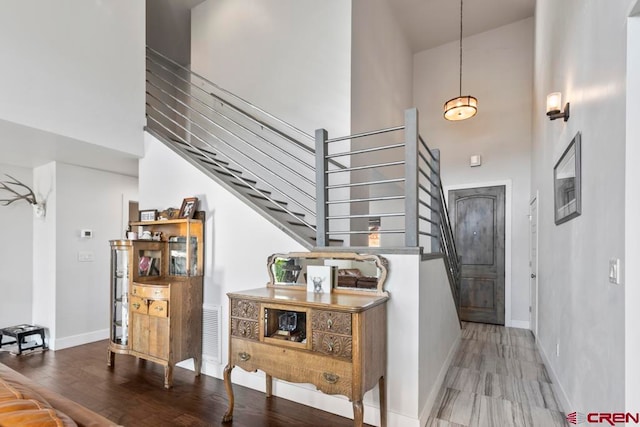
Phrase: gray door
pixel 477 217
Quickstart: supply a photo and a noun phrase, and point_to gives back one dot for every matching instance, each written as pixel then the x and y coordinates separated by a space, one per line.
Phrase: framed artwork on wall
pixel 567 189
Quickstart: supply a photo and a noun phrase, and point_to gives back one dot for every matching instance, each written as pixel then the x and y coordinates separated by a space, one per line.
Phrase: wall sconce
pixel 554 101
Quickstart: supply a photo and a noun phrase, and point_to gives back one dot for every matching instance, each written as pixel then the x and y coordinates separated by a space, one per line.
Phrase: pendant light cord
pixel 460 47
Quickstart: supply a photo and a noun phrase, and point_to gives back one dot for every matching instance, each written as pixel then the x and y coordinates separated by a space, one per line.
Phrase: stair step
pixel 200 154
pixel 282 211
pixel 242 184
pixel 261 197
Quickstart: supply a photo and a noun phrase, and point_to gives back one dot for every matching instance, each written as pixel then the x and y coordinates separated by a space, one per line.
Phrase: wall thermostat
pixel 86 234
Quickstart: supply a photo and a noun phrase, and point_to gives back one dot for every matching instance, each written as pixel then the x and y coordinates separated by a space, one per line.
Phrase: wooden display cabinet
pixel 156 294
pixel 335 340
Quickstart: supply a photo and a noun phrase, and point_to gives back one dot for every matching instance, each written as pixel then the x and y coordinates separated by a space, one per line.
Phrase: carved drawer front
pixel 245 309
pixel 330 321
pixel 244 329
pixel 138 305
pixel 334 345
pixel 156 292
pixel 158 308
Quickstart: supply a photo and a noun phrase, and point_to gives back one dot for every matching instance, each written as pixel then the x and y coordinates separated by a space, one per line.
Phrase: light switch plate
pixel 614 271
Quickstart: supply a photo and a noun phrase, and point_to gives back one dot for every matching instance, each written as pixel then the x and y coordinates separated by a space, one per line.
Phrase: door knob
pixel 533 276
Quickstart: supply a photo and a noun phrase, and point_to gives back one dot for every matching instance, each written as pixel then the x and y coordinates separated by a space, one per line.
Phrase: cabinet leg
pixel 269 381
pixel 382 387
pixel 358 413
pixel 228 416
pixel 197 365
pixel 168 376
pixel 111 358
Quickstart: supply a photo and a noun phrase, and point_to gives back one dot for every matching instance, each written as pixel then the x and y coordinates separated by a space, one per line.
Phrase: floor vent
pixel 211 333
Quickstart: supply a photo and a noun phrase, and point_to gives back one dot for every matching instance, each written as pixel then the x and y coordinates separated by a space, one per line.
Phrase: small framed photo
pixel 189 207
pixel 148 215
pixel 319 278
pixel 567 182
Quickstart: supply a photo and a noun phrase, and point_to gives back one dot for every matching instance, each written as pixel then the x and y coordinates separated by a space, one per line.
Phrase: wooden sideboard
pixel 338 344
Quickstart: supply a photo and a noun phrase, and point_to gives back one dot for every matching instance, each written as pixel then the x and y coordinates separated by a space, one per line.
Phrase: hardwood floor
pixel 497 378
pixel 132 393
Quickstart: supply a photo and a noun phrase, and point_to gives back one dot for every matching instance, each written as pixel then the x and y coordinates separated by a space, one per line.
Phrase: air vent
pixel 211 333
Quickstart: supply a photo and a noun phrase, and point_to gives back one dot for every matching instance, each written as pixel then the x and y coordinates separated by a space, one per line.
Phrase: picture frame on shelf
pixel 567 180
pixel 188 208
pixel 148 215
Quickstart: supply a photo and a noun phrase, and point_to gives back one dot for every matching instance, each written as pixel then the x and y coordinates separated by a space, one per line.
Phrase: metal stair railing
pixel 261 152
pixel 396 193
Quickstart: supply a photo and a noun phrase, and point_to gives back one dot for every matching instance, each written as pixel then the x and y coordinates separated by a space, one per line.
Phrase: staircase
pixel 321 191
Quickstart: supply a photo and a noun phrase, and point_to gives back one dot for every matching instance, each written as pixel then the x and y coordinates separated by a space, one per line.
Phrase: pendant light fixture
pixel 461 107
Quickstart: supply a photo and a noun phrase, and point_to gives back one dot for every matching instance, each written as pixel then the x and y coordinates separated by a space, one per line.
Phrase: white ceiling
pixel 430 23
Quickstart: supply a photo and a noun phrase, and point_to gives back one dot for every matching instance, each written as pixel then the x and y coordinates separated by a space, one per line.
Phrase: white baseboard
pixel 522 324
pixel 433 394
pixel 565 403
pixel 75 340
pixel 306 394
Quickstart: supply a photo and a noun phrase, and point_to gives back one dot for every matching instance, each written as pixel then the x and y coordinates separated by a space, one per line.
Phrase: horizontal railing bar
pixel 381 215
pixel 254 188
pixel 365 150
pixel 294 201
pixel 337 233
pixel 423 188
pixel 360 184
pixel 424 218
pixel 227 131
pixel 276 131
pixel 284 123
pixel 423 173
pixel 363 134
pixel 428 206
pixel 424 144
pixel 424 233
pixel 358 168
pixel 268 170
pixel 428 163
pixel 369 199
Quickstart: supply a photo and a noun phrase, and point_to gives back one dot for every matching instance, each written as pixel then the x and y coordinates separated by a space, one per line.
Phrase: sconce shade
pixel 460 108
pixel 554 103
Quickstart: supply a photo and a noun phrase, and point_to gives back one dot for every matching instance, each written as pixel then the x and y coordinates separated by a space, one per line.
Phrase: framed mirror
pixel 350 272
pixel 567 183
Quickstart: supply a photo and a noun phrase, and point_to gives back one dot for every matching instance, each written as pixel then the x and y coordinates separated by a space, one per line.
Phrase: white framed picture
pixel 319 278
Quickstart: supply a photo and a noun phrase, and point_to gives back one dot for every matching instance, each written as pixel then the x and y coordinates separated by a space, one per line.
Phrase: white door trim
pixel 507 241
pixel 534 297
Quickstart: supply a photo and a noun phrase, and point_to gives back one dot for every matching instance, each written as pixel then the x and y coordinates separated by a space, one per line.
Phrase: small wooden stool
pixel 19 333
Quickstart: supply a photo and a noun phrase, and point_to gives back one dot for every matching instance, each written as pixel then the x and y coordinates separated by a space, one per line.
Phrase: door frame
pixel 533 296
pixel 507 238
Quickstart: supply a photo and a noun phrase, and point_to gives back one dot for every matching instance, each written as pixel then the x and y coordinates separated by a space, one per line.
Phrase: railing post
pixel 322 193
pixel 411 178
pixel 436 242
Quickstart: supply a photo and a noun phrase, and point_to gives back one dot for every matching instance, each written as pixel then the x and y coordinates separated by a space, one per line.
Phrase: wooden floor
pixel 497 378
pixel 132 394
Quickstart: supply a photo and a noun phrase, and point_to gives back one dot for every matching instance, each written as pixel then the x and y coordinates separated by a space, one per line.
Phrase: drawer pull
pixel 135 291
pixel 330 378
pixel 244 356
pixel 136 305
pixel 329 323
pixel 330 345
pixel 158 308
pixel 243 332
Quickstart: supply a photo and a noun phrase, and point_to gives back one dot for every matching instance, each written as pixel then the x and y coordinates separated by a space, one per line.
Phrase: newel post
pixel 322 193
pixel 411 178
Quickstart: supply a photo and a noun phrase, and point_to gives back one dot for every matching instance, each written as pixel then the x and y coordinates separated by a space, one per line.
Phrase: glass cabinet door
pixel 121 276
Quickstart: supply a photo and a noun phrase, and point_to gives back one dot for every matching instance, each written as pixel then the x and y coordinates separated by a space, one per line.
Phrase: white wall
pixel 64 289
pixel 381 89
pixel 498 67
pixel 439 328
pixel 75 68
pixel 632 207
pixel 290 57
pixel 15 253
pixel 580 50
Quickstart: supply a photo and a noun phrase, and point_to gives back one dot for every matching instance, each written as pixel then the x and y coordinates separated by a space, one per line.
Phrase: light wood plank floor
pixel 497 378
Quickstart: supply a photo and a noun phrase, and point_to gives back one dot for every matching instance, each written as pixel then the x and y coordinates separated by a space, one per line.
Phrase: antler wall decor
pixel 13 186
